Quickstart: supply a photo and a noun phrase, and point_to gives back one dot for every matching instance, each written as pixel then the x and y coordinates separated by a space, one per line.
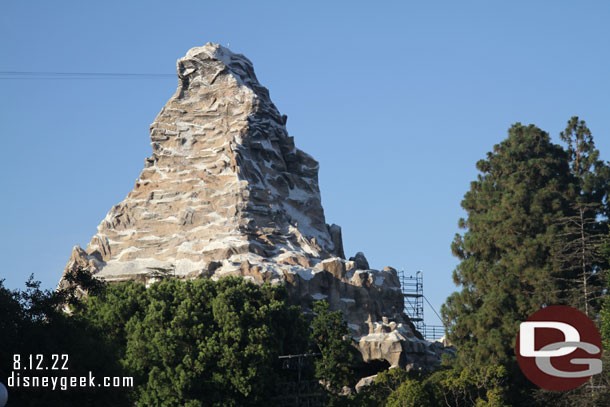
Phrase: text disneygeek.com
pixel 22 363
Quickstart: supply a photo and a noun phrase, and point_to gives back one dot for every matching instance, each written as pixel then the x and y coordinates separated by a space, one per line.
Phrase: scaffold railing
pixel 433 332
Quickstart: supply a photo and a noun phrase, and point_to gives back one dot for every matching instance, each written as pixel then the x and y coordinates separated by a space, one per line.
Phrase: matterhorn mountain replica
pixel 226 192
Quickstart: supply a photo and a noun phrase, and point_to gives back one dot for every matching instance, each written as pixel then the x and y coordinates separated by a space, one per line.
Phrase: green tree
pixel 200 342
pixel 411 393
pixel 603 380
pixel 592 174
pixel 579 242
pixel 385 384
pixel 506 267
pixel 534 221
pixel 456 386
pixel 330 335
pixel 450 386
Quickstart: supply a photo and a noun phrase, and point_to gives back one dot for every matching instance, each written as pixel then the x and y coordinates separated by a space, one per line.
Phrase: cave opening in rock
pixel 373 367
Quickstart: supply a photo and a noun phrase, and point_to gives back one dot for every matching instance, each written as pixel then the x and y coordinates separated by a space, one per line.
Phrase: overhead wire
pixel 11 75
pixel 439 317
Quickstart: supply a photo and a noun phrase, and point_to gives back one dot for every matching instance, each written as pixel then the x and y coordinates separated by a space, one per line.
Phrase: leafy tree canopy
pixel 200 342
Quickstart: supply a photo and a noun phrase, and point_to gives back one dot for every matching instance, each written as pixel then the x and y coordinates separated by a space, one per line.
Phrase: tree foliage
pixel 186 343
pixel 582 231
pixel 450 386
pixel 329 333
pixel 592 174
pixel 200 342
pixel 535 217
pixel 506 269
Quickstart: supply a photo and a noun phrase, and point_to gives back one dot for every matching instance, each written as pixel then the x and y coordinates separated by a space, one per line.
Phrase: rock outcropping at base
pixel 226 192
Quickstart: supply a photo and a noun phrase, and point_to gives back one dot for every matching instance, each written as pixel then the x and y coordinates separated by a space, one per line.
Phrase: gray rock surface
pixel 226 192
pixel 360 260
pixel 365 382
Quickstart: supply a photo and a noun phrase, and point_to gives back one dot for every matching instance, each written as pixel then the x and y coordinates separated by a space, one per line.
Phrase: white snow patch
pixel 228 241
pixel 171 219
pixel 186 247
pixel 150 237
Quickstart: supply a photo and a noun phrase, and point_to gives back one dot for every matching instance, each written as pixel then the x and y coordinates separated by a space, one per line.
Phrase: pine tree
pixel 507 269
pixel 578 245
pixel 593 175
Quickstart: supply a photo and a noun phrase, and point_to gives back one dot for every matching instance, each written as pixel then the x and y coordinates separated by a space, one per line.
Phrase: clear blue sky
pixel 396 100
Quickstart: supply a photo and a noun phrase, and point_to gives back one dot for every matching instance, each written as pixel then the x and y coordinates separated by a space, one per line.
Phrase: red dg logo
pixel 558 348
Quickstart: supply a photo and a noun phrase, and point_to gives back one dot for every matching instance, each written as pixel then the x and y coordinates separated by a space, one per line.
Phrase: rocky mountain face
pixel 226 192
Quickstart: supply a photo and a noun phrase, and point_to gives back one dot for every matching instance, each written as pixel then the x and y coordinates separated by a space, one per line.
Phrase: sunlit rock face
pixel 226 192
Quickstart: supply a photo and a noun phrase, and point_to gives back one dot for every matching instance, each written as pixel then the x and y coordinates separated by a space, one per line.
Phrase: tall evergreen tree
pixel 506 267
pixel 578 245
pixel 592 174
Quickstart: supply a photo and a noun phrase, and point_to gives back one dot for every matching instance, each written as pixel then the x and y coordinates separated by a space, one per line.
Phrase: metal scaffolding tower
pixel 413 292
pixel 412 288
